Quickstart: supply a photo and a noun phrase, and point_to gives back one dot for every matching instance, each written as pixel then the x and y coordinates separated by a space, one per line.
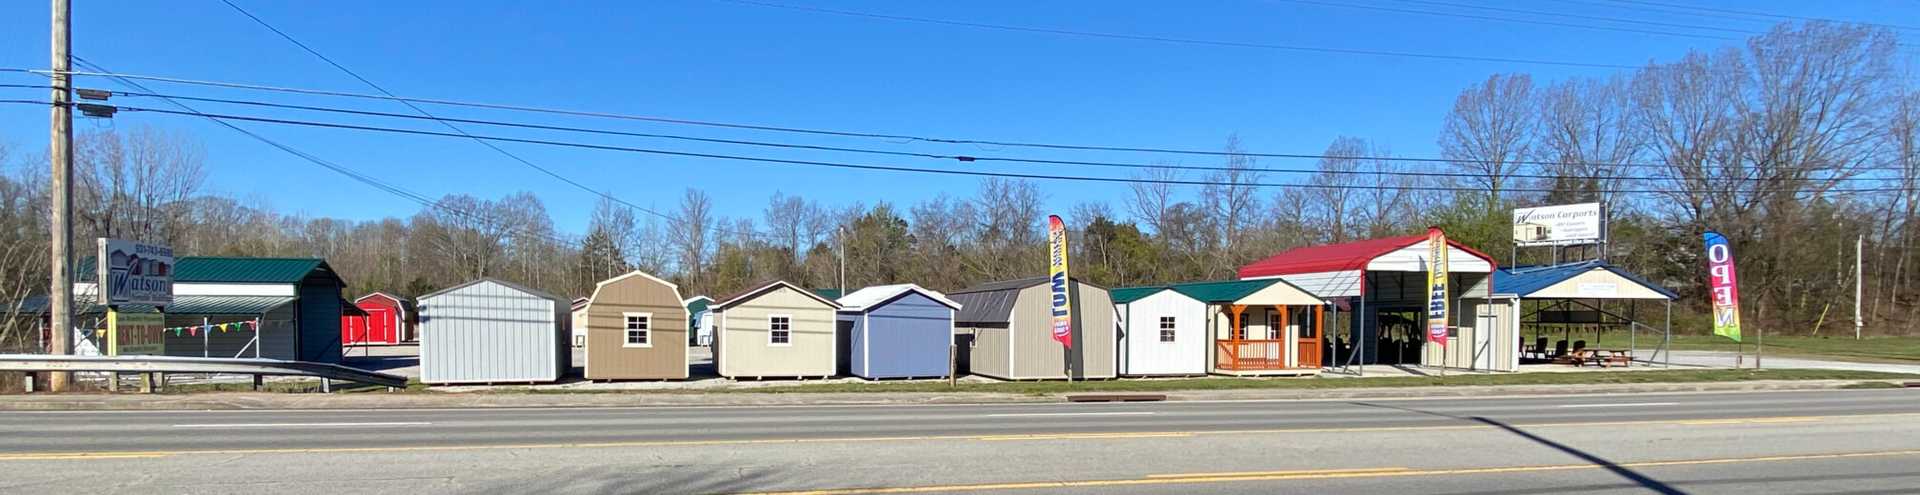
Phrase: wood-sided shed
pixel 775 329
pixel 896 331
pixel 493 331
pixel 636 330
pixel 1004 330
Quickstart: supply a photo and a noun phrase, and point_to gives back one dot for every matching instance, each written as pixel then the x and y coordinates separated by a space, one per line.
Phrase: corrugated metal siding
pixel 607 356
pixel 319 315
pixel 488 332
pixel 1037 356
pixel 1327 284
pixel 1146 355
pixel 743 347
pixel 907 337
pixel 1482 344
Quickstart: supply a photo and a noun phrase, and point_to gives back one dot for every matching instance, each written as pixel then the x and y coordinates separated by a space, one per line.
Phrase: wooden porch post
pixel 1236 331
pixel 1237 336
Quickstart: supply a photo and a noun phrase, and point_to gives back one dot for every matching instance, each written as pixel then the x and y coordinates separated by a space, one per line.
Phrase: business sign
pixel 1437 286
pixel 134 273
pixel 1584 223
pixel 1057 276
pixel 1724 286
pixel 1597 289
pixel 136 334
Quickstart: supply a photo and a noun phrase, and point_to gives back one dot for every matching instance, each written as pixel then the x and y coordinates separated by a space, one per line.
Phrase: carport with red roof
pixel 1383 281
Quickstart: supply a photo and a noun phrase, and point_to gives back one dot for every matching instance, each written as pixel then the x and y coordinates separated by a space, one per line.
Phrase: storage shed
pixel 775 329
pixel 493 331
pixel 1381 286
pixel 637 330
pixel 579 323
pixel 377 318
pixel 1162 332
pixel 700 327
pixel 1004 330
pixel 896 331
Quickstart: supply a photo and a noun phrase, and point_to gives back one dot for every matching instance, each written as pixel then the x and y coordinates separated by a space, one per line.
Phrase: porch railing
pixel 1247 355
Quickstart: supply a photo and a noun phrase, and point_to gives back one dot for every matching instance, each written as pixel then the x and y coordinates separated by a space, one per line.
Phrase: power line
pixel 935 156
pixel 838 133
pixel 449 125
pixel 893 168
pixel 1507 19
pixel 1184 41
pixel 1623 20
pixel 342 170
pixel 1758 14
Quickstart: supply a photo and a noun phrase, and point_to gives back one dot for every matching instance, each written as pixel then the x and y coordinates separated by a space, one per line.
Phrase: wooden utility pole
pixel 61 227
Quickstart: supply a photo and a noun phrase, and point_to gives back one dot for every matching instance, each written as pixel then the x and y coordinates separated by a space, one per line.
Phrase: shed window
pixel 780 330
pixel 1166 329
pixel 639 330
pixel 1273 325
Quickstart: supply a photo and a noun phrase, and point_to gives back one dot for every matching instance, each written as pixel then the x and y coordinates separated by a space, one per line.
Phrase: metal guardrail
pixel 172 364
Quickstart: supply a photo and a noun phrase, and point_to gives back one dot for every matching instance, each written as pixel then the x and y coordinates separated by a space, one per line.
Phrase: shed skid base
pixel 1285 372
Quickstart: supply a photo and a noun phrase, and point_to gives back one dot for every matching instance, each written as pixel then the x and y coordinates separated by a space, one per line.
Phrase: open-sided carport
pixel 1580 297
pixel 1383 282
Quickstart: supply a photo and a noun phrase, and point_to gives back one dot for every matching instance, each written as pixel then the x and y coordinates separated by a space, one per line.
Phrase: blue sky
pixel 718 61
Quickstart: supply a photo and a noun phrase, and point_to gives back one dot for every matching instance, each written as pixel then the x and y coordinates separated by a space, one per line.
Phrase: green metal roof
pixel 1222 291
pixel 827 293
pixel 212 269
pixel 1125 295
pixel 698 304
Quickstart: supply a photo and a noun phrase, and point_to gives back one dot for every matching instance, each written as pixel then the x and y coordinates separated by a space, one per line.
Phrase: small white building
pixel 1162 332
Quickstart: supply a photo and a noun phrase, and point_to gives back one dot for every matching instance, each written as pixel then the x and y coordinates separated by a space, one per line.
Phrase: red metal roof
pixel 1338 257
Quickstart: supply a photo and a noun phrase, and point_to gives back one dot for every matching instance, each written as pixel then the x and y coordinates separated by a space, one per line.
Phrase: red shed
pixel 382 319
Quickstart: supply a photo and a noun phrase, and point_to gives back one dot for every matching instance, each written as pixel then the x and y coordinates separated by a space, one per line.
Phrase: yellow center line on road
pixel 1202 478
pixel 31 456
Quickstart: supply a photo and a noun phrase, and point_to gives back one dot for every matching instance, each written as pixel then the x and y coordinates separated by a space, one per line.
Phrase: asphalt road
pixel 1865 441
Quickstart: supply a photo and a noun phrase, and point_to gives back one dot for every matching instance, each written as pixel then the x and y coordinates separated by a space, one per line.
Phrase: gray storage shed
pixel 492 331
pixel 1004 330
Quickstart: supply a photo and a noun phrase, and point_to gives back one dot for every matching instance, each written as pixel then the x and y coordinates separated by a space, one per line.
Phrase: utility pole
pixel 843 260
pixel 61 156
pixel 1859 284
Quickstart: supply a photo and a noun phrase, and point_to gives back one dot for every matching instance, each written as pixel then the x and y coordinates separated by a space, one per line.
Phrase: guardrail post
pixel 28 383
pixel 256 383
pixel 326 385
pixel 146 383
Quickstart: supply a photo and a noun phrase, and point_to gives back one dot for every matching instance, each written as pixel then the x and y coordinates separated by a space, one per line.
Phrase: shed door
pixel 380 326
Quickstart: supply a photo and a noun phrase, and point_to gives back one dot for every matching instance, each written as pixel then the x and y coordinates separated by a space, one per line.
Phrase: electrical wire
pixel 838 133
pixel 1175 40
pixel 449 125
pixel 893 168
pixel 1506 19
pixel 935 156
pixel 1699 8
pixel 336 168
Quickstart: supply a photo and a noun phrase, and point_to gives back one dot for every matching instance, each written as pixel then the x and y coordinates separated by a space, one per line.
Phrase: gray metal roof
pixel 535 292
pixel 993 306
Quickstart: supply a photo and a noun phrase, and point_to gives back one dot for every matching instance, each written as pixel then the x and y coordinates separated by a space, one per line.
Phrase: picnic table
pixel 1606 357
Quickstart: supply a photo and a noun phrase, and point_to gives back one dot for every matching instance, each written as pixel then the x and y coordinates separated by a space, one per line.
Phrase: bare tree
pixel 1230 200
pixel 1585 128
pixel 1151 199
pixel 690 228
pixel 1335 204
pixel 1487 132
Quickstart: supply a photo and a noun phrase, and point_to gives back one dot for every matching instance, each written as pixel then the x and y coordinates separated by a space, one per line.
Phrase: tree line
pixel 1794 145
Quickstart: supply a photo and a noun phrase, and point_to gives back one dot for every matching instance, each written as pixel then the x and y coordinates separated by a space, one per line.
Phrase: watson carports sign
pixel 135 273
pixel 1584 223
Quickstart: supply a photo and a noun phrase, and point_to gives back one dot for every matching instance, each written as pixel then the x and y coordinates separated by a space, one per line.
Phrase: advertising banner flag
pixel 1437 286
pixel 1723 285
pixel 1058 280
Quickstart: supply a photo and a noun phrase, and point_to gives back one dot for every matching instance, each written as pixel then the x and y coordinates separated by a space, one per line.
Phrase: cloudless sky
pixel 720 61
